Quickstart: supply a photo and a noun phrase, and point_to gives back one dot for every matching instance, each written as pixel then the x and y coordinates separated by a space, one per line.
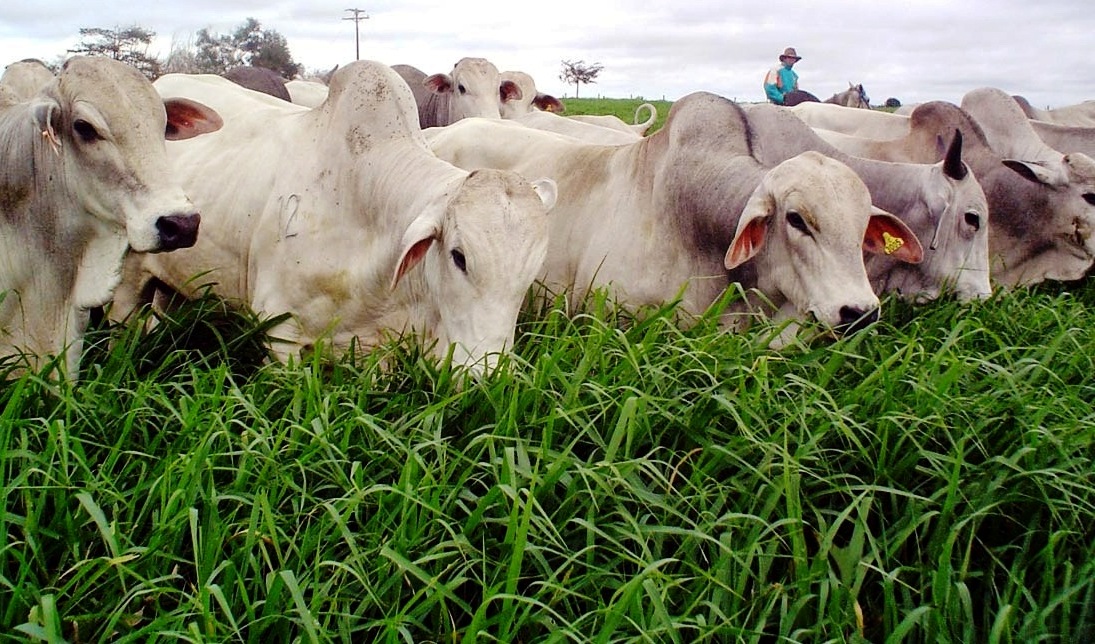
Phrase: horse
pixel 854 96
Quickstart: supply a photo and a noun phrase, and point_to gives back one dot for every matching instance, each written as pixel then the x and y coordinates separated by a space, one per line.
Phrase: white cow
pixel 25 77
pixel 306 93
pixel 682 209
pixel 588 132
pixel 531 99
pixel 616 123
pixel 342 216
pixel 869 123
pixel 84 177
pixel 1078 115
pixel 474 88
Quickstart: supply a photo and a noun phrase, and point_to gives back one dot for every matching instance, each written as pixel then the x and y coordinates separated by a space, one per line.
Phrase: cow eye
pixel 1090 198
pixel 460 88
pixel 86 131
pixel 973 220
pixel 796 221
pixel 459 260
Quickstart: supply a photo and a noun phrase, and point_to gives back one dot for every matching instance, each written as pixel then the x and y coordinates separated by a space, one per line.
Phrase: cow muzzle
pixel 853 319
pixel 177 231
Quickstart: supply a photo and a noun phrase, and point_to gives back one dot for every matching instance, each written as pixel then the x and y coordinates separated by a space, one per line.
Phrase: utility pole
pixel 359 15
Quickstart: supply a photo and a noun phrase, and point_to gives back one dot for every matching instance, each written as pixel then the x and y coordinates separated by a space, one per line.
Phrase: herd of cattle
pixel 389 201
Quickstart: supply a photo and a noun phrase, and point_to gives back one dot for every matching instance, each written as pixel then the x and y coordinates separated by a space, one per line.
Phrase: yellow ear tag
pixel 891 243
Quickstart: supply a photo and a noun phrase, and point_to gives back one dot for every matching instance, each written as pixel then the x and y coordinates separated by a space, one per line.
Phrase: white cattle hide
pixel 869 123
pixel 587 132
pixel 326 213
pixel 1078 115
pixel 83 178
pixel 306 93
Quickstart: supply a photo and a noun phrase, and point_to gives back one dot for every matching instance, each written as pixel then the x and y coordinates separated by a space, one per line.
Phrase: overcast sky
pixel 912 50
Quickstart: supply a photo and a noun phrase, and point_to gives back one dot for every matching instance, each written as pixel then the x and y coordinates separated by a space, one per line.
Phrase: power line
pixel 359 15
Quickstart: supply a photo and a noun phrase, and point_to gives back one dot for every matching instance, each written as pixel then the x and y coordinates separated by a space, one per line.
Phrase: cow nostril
pixel 178 231
pixel 853 319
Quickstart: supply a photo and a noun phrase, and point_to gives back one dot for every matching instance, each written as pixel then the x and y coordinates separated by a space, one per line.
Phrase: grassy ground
pixel 930 479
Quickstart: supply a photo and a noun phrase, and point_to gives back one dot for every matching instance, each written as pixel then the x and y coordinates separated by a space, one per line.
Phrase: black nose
pixel 178 231
pixel 854 319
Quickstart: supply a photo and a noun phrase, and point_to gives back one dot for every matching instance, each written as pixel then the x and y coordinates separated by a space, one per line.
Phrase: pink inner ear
pixel 411 258
pixel 875 239
pixel 747 244
pixel 438 83
pixel 187 119
pixel 548 103
pixel 509 91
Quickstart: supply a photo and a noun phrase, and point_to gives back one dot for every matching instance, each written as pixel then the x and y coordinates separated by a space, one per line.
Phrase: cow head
pixel 107 124
pixel 1053 226
pixel 480 251
pixel 812 218
pixel 951 213
pixel 475 88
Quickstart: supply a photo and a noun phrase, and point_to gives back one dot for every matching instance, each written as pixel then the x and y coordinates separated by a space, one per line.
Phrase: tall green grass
pixel 619 479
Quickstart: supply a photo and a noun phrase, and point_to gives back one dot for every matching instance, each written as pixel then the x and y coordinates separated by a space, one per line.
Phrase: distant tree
pixel 129 45
pixel 249 44
pixel 893 102
pixel 579 73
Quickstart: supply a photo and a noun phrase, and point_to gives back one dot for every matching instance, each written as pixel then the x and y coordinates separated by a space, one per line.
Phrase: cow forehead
pixel 117 91
pixel 821 190
pixel 471 68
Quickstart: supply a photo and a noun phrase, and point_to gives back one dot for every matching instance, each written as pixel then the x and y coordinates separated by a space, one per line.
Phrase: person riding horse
pixel 781 83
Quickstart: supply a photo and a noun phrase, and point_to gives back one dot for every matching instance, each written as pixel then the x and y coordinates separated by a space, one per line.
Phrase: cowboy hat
pixel 790 53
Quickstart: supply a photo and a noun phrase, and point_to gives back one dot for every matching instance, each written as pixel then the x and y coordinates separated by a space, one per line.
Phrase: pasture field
pixel 930 479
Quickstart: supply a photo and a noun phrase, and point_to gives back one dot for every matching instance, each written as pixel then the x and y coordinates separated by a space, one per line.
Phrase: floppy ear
pixel 46 112
pixel 509 91
pixel 418 237
pixel 438 83
pixel 547 190
pixel 752 228
pixel 548 103
pixel 888 235
pixel 1033 171
pixel 187 119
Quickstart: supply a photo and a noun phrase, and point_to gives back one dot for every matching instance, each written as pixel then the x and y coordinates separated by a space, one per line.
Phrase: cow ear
pixel 509 91
pixel 45 114
pixel 548 103
pixel 1033 171
pixel 752 228
pixel 187 119
pixel 888 235
pixel 417 239
pixel 438 83
pixel 547 190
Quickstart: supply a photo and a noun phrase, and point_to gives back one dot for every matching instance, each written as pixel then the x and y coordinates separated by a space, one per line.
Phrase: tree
pixel 129 45
pixel 249 44
pixel 893 102
pixel 578 72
